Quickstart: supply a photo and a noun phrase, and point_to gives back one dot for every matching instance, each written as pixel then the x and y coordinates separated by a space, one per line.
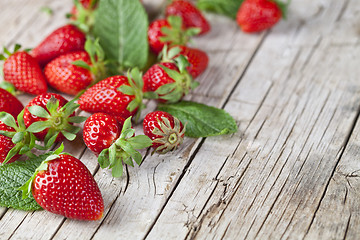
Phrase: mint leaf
pixel 13 176
pixel 121 26
pixel 202 120
pixel 228 8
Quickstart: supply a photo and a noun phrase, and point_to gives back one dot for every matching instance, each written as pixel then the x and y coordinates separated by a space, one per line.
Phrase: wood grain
pixel 290 172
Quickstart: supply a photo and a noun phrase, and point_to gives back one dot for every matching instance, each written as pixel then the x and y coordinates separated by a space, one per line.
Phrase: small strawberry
pixel 9 103
pixel 14 139
pixel 63 185
pixel 50 117
pixel 259 15
pixel 6 144
pixel 197 59
pixel 82 14
pixel 169 32
pixel 114 144
pixel 118 96
pixel 66 77
pixel 63 40
pixel 23 71
pixel 166 131
pixel 169 80
pixel 191 15
pixel 100 131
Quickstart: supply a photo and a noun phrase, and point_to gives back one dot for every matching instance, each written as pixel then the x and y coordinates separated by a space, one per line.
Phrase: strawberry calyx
pixel 183 82
pixel 170 137
pixel 56 121
pixel 84 17
pixel 97 58
pixel 124 150
pixel 8 53
pixel 176 34
pixel 26 188
pixel 24 141
pixel 135 89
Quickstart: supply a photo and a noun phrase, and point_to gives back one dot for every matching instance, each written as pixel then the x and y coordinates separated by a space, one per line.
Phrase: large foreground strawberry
pixel 65 39
pixel 23 71
pixel 63 185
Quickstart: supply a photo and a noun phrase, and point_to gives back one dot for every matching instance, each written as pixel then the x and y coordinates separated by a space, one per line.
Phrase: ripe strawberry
pixel 169 32
pixel 100 132
pixel 259 15
pixel 63 40
pixel 23 71
pixel 82 14
pixel 63 185
pixel 168 80
pixel 198 60
pixel 166 131
pixel 191 15
pixel 50 117
pixel 6 144
pixel 9 103
pixel 113 143
pixel 67 77
pixel 118 96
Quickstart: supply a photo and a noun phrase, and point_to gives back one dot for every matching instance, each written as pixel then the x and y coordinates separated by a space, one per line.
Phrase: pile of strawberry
pixel 72 62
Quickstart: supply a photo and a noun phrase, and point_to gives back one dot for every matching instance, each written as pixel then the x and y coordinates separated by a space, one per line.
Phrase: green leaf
pixel 39 111
pixel 18 137
pixel 7 134
pixel 166 88
pixel 202 120
pixel 117 170
pixel 77 119
pixel 228 8
pixel 8 119
pixel 140 142
pixel 103 158
pixel 15 175
pixel 38 126
pixel 82 64
pixel 121 26
pixel 125 89
pixel 68 135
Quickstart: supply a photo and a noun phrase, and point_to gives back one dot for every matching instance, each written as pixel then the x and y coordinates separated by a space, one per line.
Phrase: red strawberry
pixel 9 103
pixel 168 81
pixel 166 131
pixel 63 40
pixel 50 117
pixel 258 15
pixel 23 71
pixel 100 132
pixel 192 16
pixel 118 96
pixel 198 60
pixel 169 32
pixel 6 144
pixel 67 77
pixel 113 144
pixel 63 185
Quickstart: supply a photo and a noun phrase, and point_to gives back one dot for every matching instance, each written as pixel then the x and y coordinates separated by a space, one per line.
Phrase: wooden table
pixel 290 172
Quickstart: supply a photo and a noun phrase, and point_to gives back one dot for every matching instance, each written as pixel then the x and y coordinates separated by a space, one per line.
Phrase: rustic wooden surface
pixel 292 170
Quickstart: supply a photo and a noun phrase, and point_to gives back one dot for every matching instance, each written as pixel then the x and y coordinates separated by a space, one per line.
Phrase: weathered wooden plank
pixel 149 186
pixel 292 130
